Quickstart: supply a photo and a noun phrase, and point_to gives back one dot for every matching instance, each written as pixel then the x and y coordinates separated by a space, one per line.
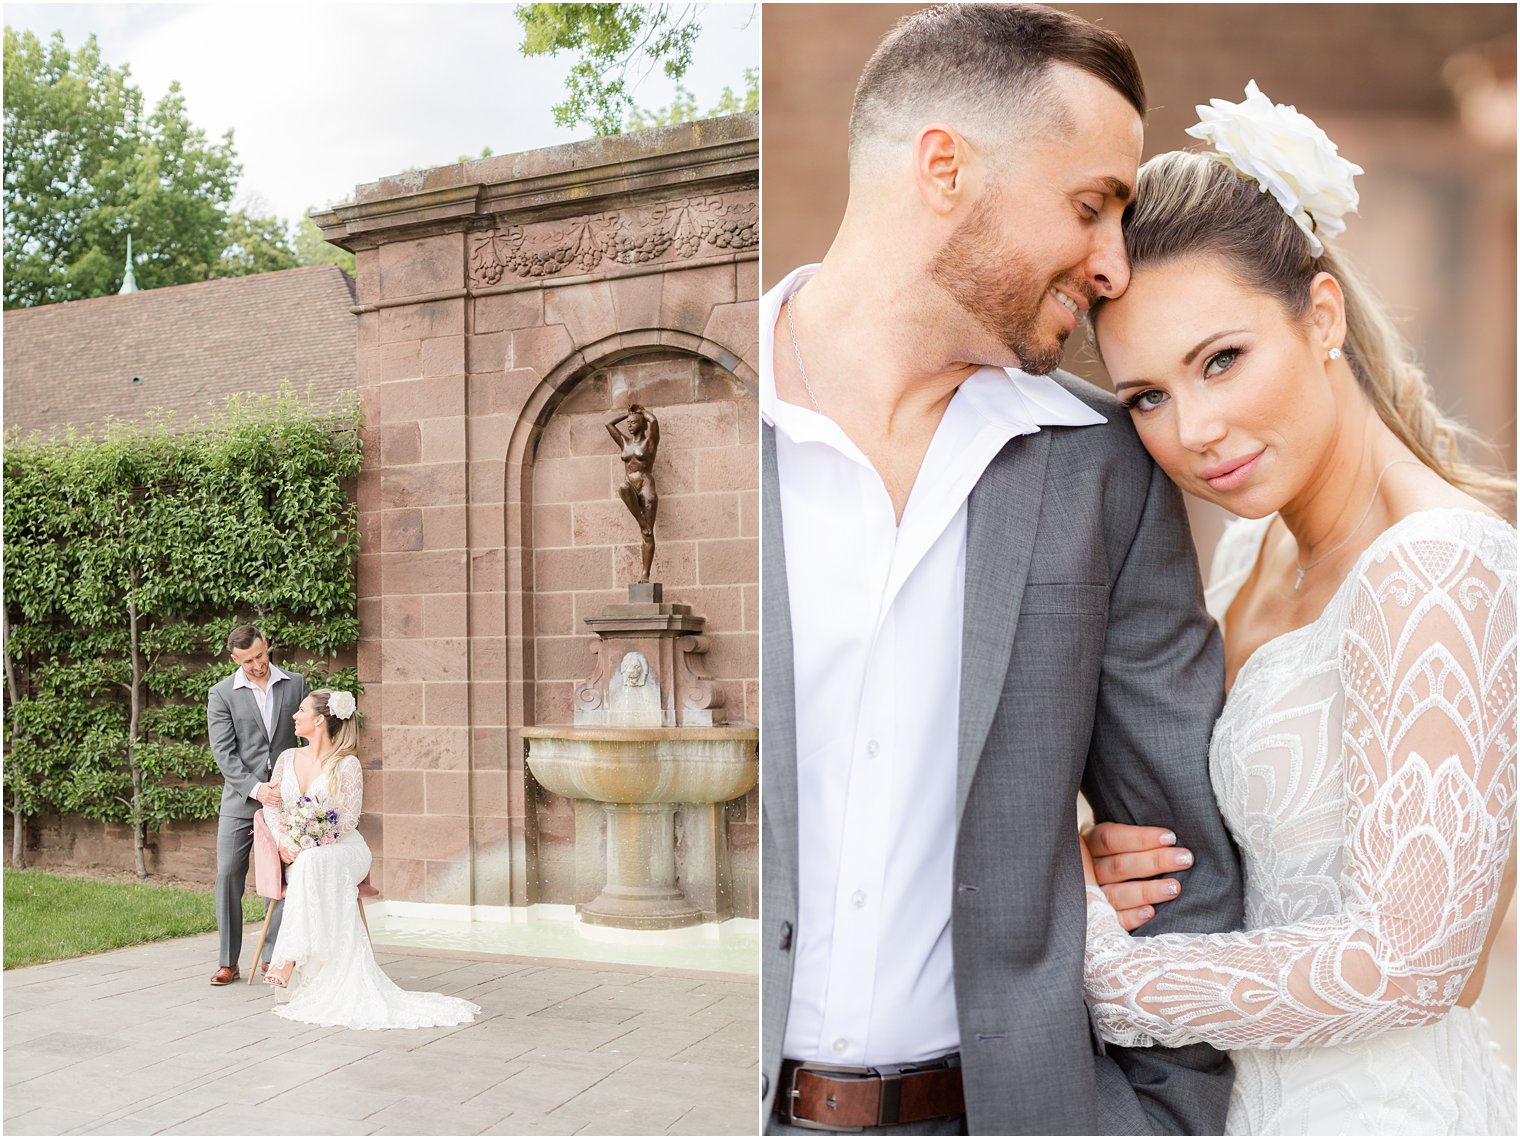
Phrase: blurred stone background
pixel 1422 96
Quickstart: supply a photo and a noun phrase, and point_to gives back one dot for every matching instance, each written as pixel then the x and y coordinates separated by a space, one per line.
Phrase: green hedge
pixel 127 560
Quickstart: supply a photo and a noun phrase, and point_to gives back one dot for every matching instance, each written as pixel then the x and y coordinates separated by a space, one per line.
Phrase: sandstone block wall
pixel 506 306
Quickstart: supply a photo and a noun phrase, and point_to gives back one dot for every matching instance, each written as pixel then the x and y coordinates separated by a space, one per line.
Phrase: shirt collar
pixel 1007 397
pixel 240 679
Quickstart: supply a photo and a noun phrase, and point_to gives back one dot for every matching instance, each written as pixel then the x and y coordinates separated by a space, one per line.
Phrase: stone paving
pixel 135 1042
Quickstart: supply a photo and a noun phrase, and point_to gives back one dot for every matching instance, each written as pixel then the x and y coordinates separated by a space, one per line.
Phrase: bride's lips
pixel 1232 472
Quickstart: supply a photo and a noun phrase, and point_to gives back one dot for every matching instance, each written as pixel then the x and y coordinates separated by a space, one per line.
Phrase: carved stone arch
pixel 560 380
pixel 576 546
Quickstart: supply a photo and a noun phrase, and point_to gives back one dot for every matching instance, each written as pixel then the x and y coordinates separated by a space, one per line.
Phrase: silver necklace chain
pixel 797 351
pixel 1303 569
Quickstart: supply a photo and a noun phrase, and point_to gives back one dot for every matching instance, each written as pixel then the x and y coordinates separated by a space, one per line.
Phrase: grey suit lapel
pixel 778 742
pixel 1002 514
pixel 286 705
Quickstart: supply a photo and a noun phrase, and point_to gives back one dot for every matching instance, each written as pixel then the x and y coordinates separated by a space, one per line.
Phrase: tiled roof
pixel 188 347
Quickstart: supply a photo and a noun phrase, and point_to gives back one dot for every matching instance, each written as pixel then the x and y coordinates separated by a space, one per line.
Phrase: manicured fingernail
pixel 1171 889
pixel 1183 858
pixel 1168 839
pixel 1146 911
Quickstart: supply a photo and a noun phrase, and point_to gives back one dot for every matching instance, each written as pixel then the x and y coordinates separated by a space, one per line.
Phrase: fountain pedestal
pixel 640 776
pixel 649 738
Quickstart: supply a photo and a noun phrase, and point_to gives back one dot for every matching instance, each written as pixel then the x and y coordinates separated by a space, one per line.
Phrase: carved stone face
pixel 635 670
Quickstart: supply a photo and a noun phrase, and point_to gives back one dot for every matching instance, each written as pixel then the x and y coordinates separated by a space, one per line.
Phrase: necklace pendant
pixel 1300 580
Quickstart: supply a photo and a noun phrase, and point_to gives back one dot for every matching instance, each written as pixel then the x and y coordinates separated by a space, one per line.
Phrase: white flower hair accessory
pixel 1287 153
pixel 341 704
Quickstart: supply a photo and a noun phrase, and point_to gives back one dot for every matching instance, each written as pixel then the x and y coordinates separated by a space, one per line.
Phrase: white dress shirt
pixel 876 612
pixel 263 697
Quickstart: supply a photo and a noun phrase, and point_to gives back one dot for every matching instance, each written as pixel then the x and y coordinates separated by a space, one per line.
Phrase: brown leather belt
pixel 829 1097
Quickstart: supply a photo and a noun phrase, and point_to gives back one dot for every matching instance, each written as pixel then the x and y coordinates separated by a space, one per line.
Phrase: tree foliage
pixel 254 244
pixel 85 165
pixel 617 44
pixel 128 559
pixel 683 108
pixel 312 249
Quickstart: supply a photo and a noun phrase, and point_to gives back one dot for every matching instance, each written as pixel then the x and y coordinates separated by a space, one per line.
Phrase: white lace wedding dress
pixel 1365 765
pixel 336 980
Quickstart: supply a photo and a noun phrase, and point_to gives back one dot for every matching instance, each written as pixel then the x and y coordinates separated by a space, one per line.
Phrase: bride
pixel 1365 758
pixel 322 955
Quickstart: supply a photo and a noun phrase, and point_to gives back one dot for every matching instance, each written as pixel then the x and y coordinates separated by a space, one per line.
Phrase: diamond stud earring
pixel 1335 353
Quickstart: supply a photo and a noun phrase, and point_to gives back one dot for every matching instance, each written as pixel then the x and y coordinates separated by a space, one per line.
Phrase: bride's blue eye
pixel 1221 361
pixel 1148 400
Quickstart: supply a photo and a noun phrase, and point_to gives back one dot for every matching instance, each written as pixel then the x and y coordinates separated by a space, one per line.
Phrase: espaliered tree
pixel 127 560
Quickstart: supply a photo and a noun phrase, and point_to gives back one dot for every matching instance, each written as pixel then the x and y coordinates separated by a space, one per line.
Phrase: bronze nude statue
pixel 638 445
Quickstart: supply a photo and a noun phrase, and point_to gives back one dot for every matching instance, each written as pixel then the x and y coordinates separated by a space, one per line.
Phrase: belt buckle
pixel 790 1117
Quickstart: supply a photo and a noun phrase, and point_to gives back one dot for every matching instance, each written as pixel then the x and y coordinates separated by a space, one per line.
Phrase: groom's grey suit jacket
pixel 244 751
pixel 1088 663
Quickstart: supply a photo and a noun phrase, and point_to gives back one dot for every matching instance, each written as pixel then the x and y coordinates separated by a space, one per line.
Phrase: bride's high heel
pixel 279 978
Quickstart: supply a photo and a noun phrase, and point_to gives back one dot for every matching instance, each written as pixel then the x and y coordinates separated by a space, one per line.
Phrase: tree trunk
pixel 139 829
pixel 18 827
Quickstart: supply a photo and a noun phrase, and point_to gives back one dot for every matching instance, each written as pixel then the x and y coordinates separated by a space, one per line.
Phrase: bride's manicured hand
pixel 286 856
pixel 1125 862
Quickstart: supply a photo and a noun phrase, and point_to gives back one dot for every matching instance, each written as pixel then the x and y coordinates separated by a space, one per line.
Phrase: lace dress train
pixel 1365 764
pixel 336 981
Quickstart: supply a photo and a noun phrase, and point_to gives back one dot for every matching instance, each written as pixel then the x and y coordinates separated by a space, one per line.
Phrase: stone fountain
pixel 649 736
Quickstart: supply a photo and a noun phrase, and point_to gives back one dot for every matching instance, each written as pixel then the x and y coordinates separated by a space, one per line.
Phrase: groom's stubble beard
pixel 998 288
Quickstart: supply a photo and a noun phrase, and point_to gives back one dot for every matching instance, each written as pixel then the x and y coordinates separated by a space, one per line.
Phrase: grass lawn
pixel 52 916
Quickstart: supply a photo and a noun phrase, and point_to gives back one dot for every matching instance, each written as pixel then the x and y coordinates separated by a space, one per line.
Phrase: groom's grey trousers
pixel 1087 663
pixel 245 752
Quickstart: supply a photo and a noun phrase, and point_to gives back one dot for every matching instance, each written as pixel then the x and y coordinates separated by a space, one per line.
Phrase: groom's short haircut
pixel 984 69
pixel 243 637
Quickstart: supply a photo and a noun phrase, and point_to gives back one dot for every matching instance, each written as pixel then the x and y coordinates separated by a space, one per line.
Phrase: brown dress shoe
pixel 225 975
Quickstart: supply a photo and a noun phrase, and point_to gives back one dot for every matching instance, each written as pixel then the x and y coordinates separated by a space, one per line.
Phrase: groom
pixel 248 717
pixel 980 595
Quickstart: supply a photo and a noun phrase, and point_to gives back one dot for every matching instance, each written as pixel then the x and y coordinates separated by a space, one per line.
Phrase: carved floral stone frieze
pixel 671 230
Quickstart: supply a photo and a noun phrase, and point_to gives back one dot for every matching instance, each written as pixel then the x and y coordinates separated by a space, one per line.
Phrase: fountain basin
pixel 645 765
pixel 640 776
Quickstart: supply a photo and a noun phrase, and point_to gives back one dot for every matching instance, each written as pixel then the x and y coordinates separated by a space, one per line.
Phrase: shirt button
pixel 858 899
pixel 873 749
pixel 841 1046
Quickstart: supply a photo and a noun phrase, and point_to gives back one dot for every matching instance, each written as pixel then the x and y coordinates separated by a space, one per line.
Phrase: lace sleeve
pixel 275 816
pixel 1427 664
pixel 350 794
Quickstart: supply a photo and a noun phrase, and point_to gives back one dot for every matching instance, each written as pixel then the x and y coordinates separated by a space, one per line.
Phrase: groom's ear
pixel 939 167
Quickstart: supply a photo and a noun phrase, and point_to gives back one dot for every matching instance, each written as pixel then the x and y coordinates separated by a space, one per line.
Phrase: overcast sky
pixel 323 97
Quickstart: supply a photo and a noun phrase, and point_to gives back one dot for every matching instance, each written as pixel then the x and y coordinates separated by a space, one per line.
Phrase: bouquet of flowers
pixel 309 823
